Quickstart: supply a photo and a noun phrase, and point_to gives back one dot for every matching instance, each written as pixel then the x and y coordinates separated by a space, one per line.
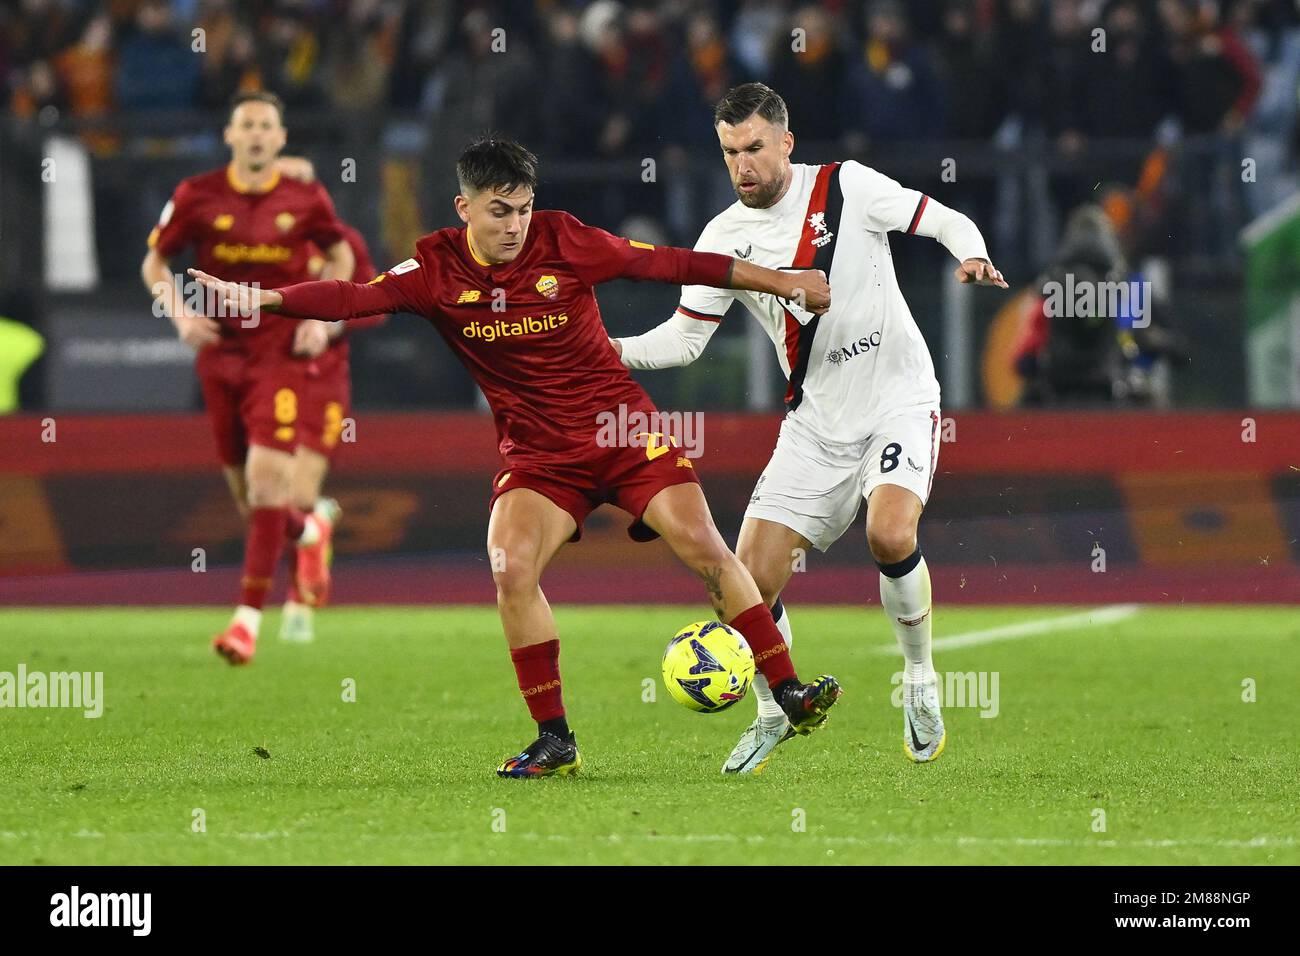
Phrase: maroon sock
pixel 771 654
pixel 538 669
pixel 261 552
pixel 295 522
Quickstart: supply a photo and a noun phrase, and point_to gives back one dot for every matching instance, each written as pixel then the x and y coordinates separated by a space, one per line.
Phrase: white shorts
pixel 814 487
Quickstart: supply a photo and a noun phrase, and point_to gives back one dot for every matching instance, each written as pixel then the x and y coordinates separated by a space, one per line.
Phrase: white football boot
pixel 296 623
pixel 923 731
pixel 757 743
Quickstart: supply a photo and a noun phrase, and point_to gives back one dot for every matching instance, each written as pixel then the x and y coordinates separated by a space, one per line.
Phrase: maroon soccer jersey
pixel 529 331
pixel 264 236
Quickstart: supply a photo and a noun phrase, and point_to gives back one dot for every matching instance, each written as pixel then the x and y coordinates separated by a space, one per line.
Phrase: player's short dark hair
pixel 496 164
pixel 742 102
pixel 257 96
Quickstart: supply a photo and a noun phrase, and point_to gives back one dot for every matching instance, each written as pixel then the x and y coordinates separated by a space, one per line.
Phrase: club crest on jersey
pixel 223 222
pixel 548 286
pixel 284 221
pixel 821 234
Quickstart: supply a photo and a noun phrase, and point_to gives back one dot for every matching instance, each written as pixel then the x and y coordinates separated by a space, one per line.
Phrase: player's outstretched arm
pixel 599 257
pixel 886 206
pixel 330 300
pixel 808 287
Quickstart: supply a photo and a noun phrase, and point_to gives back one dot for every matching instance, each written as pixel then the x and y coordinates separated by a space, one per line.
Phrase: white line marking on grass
pixel 1253 843
pixel 1044 625
pixel 1259 842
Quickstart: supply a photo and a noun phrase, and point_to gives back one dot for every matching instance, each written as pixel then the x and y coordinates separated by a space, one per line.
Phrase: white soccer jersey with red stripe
pixel 866 357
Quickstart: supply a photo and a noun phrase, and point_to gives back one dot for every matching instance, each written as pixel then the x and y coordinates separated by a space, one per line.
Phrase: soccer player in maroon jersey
pixel 511 293
pixel 248 221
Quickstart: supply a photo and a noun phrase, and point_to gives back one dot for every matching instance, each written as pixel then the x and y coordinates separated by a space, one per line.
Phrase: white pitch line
pixel 1010 632
pixel 1252 843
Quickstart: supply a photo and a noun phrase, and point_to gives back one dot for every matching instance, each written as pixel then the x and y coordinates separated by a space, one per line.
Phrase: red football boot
pixel 314 559
pixel 236 643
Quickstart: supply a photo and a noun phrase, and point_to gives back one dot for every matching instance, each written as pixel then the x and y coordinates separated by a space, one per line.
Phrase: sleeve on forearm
pixel 680 266
pixel 955 230
pixel 334 299
pixel 599 256
pixel 679 341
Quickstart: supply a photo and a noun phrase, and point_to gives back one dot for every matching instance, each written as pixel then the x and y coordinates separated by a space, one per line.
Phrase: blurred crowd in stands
pixel 615 77
pixel 633 78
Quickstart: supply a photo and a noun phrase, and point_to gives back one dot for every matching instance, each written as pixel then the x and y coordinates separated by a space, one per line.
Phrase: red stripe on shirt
pixel 934 455
pixel 806 251
pixel 702 316
pixel 792 328
pixel 916 216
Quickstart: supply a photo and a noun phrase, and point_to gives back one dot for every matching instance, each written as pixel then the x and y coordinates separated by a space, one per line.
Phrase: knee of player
pixel 513 571
pixel 891 541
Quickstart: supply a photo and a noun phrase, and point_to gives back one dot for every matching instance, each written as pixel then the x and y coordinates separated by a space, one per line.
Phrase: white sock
pixel 767 705
pixel 250 617
pixel 310 531
pixel 295 607
pixel 906 600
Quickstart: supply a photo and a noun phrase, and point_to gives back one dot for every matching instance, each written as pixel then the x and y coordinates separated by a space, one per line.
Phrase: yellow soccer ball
pixel 708 667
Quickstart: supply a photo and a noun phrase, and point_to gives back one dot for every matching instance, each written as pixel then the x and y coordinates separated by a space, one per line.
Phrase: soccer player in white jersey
pixel 863 401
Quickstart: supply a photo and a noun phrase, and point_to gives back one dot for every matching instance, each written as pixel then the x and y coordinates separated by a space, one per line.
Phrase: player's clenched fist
pixel 811 290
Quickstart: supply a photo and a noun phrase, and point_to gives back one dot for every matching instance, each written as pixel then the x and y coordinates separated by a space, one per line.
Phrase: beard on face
pixel 764 195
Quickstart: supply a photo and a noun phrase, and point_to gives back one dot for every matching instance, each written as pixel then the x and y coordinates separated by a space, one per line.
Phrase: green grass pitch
pixel 1143 720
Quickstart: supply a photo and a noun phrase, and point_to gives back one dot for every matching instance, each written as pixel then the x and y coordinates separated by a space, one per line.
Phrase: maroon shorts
pixel 625 477
pixel 250 403
pixel 326 403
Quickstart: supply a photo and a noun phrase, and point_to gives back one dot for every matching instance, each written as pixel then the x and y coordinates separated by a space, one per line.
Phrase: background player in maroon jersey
pixel 323 410
pixel 248 221
pixel 511 293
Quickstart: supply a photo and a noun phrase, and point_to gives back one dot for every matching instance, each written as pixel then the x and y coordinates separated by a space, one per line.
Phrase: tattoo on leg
pixel 713 581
